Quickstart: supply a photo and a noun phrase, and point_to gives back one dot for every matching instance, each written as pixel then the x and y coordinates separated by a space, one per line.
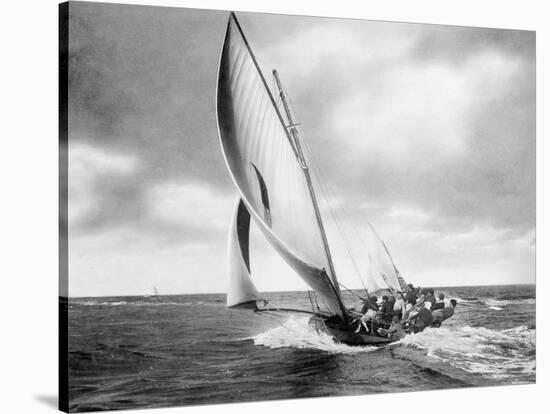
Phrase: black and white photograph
pixel 259 207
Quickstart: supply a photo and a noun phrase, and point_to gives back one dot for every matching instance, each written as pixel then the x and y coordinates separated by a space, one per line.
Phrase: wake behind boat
pixel 263 152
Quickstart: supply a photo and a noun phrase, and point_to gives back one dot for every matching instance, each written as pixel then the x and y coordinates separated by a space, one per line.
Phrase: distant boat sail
pixel 154 294
pixel 264 157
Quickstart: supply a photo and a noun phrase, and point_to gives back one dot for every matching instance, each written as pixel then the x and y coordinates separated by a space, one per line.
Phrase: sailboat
pixel 155 293
pixel 264 157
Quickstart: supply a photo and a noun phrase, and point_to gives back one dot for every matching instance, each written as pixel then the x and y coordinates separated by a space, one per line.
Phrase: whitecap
pixel 296 333
pixel 498 354
pixel 506 302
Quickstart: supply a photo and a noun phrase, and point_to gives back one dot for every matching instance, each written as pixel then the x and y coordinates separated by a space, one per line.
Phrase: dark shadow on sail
pixel 243 230
pixel 264 196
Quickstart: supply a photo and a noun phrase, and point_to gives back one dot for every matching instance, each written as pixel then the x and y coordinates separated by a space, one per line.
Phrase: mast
pixel 302 159
pixel 316 277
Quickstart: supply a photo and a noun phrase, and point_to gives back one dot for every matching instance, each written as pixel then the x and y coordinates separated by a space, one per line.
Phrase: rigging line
pixel 316 303
pixel 385 247
pixel 352 225
pixel 327 193
pixel 324 302
pixel 322 181
pixel 344 239
pixel 311 300
pixel 328 197
pixel 352 292
pixel 345 218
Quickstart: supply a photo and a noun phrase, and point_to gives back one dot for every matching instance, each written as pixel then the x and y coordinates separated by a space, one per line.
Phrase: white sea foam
pixel 295 332
pixel 498 303
pixel 460 300
pixel 498 354
pixel 506 302
pixel 497 308
pixel 141 303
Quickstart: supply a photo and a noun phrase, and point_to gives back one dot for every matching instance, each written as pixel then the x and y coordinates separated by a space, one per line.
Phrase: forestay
pixel 263 164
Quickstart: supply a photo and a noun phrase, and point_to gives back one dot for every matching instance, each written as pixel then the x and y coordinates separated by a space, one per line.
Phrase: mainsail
pixel 383 273
pixel 264 164
pixel 241 292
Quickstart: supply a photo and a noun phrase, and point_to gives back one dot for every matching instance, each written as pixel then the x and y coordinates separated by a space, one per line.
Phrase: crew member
pixel 398 306
pixel 369 314
pixel 440 315
pixel 440 304
pixel 422 319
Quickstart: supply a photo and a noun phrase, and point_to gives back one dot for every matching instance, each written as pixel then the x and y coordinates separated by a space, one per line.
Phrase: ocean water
pixel 138 352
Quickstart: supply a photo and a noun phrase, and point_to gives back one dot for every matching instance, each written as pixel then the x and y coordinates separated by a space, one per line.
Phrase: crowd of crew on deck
pixel 401 313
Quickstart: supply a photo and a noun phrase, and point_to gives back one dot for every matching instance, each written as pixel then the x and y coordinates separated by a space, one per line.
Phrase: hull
pixel 344 334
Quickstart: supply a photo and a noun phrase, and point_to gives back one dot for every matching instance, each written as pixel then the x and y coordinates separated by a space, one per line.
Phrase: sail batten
pixel 265 167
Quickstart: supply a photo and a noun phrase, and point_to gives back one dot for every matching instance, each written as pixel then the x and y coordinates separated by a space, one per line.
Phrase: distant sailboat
pixel 265 160
pixel 155 293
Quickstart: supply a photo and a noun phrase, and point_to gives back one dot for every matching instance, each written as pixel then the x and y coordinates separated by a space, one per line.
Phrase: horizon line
pixel 281 291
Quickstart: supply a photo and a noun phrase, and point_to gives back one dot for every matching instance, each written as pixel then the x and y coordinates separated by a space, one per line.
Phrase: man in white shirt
pixel 399 306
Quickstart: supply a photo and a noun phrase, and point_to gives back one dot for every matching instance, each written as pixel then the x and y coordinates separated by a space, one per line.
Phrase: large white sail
pixel 382 273
pixel 241 291
pixel 264 166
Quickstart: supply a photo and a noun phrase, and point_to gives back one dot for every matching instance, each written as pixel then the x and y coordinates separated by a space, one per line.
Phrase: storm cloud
pixel 426 131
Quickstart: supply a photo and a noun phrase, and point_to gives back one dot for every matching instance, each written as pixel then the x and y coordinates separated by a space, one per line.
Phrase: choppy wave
pixel 506 354
pixel 139 303
pixel 296 333
pixel 500 302
pixel 515 297
pixel 506 302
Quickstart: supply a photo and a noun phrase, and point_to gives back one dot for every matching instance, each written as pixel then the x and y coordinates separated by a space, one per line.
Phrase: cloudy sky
pixel 426 131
